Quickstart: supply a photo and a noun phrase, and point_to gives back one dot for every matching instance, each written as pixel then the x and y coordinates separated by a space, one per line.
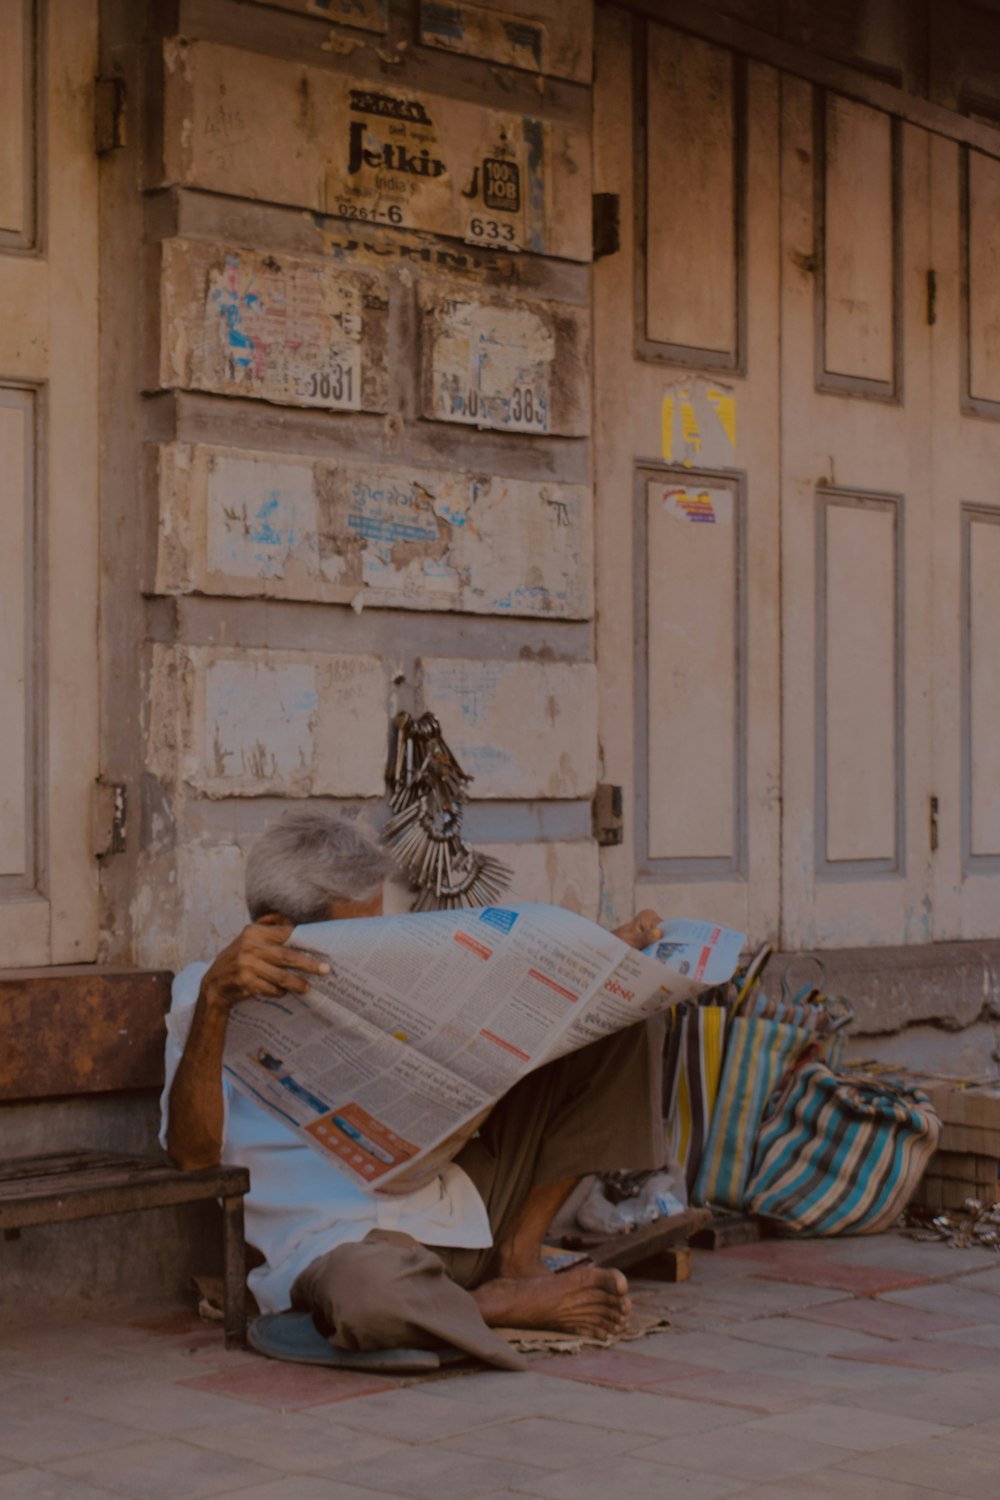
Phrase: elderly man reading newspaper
pixel 446 1261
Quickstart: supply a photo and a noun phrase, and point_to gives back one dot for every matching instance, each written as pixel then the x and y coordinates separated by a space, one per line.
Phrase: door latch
pixel 109 114
pixel 607 815
pixel 110 817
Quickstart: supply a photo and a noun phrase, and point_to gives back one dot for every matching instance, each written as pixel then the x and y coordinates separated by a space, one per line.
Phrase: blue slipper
pixel 294 1336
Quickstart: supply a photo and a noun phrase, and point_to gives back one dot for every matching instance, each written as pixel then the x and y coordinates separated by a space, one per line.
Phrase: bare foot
pixel 587 1300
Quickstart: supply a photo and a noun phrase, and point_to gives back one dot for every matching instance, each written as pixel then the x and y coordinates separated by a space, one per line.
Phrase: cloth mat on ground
pixel 293 1336
pixel 544 1340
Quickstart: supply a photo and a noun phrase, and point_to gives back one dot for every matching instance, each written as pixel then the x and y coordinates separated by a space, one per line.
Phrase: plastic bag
pixel 658 1195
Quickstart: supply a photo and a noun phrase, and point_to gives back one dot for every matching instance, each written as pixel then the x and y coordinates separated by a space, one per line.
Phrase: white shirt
pixel 301 1205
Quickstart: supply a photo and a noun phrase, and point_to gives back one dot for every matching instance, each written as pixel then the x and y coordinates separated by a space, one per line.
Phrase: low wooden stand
pixel 89 1184
pixel 657 1251
pixel 726 1230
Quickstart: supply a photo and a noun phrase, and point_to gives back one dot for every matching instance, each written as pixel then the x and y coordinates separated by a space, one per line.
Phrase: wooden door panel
pixel 981 653
pixel 691 670
pixel 860 782
pixel 18 123
pixel 981 330
pixel 48 454
pixel 17 639
pixel 858 247
pixel 693 120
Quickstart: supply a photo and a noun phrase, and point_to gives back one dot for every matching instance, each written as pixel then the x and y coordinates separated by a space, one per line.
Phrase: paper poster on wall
pixel 374 152
pixel 698 423
pixel 698 504
pixel 405 164
pixel 289 329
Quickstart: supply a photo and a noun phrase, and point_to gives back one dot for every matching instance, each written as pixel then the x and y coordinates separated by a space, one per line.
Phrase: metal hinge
pixel 607 814
pixel 109 114
pixel 934 823
pixel 606 224
pixel 110 817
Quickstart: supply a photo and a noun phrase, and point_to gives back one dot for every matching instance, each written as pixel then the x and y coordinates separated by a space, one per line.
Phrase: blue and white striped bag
pixel 840 1153
pixel 759 1053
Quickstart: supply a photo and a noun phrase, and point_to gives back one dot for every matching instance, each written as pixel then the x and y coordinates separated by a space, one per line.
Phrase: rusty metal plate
pixel 81 1031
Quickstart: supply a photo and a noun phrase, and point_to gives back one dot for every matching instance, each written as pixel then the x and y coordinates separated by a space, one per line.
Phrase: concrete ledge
pixel 949 985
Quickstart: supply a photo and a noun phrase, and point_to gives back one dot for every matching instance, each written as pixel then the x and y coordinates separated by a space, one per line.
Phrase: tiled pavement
pixel 866 1369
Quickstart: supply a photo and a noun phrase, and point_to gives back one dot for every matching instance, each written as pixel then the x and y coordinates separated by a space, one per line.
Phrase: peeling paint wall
pixel 353 464
pixel 240 723
pixel 523 729
pixel 242 523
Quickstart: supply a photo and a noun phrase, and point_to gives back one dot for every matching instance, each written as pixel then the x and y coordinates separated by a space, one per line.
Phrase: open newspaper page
pixel 425 1020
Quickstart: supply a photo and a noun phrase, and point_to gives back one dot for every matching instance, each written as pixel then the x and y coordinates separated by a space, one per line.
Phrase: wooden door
pixel 857 424
pixel 48 481
pixel 964 305
pixel 686 466
pixel 806 304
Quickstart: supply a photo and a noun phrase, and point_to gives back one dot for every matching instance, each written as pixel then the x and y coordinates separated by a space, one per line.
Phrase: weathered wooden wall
pixel 347 345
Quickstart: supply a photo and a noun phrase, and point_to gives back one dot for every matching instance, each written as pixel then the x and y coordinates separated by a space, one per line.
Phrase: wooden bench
pixel 80 1031
pixel 90 1184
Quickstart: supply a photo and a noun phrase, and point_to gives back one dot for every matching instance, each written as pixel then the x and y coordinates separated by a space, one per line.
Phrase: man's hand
pixel 259 963
pixel 645 928
pixel 255 963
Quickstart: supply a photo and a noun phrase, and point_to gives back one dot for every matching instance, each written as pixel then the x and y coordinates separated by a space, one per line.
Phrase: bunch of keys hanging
pixel 427 790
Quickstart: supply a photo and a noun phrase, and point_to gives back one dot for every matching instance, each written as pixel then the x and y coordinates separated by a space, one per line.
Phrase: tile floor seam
pixel 560 1468
pixel 843 1453
pixel 140 1437
pixel 229 1488
pixel 655 1465
pixel 91 1485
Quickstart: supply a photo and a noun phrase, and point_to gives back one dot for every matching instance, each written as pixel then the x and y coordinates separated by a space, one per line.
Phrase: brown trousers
pixel 595 1110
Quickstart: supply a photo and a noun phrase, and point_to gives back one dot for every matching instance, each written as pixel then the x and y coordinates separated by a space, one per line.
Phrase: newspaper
pixel 426 1020
pixel 706 953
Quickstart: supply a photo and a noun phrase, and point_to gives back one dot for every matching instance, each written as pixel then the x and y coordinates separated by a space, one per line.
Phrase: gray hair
pixel 308 859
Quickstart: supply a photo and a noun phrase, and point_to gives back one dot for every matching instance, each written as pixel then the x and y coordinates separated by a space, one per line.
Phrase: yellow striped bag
pixel 840 1153
pixel 692 1065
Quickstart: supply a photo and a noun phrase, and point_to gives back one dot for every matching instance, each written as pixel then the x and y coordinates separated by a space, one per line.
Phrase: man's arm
pixel 255 963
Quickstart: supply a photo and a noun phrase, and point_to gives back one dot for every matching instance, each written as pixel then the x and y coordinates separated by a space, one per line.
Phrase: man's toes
pixel 607 1304
pixel 614 1282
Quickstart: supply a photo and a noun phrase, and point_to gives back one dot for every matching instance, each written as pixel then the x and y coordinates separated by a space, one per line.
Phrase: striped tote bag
pixel 692 1066
pixel 759 1052
pixel 840 1153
